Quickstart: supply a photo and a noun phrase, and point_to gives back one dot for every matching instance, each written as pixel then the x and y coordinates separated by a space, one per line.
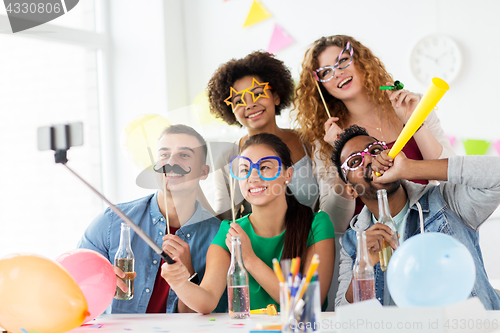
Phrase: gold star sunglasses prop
pixel 257 90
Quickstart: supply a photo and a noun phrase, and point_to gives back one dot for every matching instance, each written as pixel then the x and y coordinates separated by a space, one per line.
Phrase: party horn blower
pixel 398 85
pixel 434 92
pixel 269 310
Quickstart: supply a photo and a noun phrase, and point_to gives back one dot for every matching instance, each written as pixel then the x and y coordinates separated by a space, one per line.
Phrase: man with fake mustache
pixel 180 164
pixel 468 194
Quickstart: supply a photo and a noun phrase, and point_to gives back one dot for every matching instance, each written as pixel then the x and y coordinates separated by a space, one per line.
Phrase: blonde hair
pixel 311 114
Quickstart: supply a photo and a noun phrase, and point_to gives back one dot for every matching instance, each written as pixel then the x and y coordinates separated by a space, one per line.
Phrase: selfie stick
pixel 61 157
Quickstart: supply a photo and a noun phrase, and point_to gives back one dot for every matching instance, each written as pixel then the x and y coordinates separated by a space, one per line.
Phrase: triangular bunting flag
pixel 279 40
pixel 476 147
pixel 451 138
pixel 496 144
pixel 257 13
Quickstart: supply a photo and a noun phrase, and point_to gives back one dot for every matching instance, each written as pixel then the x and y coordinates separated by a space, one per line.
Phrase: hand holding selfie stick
pixel 124 217
pixel 60 138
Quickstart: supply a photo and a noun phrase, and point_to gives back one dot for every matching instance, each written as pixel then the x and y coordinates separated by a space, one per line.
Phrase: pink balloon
pixel 94 275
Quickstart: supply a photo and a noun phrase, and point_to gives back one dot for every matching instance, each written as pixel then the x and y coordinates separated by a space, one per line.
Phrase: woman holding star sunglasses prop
pixel 250 92
pixel 278 227
pixel 340 86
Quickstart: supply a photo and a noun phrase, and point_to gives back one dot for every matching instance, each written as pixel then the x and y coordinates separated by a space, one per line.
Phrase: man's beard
pixel 368 190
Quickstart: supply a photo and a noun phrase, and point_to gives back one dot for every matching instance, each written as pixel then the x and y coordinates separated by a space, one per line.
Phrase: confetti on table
pixel 235 325
pixel 92 325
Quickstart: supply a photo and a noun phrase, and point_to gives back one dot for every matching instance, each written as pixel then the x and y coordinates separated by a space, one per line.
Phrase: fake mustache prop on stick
pixel 176 168
pixel 166 168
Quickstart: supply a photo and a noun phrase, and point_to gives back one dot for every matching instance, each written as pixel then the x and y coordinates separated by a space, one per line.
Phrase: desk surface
pixel 171 323
pixel 197 323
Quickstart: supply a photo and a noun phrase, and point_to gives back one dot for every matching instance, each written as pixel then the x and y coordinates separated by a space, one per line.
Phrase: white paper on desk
pixel 470 316
pixel 367 317
pixel 372 303
pixel 359 319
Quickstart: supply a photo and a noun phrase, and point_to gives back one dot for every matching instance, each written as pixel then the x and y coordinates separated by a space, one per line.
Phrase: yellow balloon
pixel 39 295
pixel 202 108
pixel 140 138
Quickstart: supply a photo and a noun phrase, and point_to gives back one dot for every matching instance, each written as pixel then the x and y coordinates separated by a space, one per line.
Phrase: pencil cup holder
pixel 300 315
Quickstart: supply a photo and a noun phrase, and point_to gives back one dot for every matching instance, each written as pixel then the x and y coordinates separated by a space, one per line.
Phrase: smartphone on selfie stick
pixel 62 137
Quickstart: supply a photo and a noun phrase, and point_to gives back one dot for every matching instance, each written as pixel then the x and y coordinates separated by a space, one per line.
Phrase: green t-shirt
pixel 267 248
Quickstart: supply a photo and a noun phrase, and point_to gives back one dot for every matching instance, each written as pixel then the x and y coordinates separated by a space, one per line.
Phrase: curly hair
pixel 349 133
pixel 261 64
pixel 311 113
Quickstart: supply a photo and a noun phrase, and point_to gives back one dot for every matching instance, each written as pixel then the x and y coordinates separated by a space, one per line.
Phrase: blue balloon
pixel 431 269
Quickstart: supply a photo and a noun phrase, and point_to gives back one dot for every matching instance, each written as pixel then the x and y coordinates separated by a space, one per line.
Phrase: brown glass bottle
pixel 124 259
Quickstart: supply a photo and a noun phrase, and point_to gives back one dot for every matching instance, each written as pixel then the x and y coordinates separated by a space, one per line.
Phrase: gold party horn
pixel 432 96
pixel 270 310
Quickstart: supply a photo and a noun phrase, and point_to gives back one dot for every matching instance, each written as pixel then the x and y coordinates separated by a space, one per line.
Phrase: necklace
pixel 379 129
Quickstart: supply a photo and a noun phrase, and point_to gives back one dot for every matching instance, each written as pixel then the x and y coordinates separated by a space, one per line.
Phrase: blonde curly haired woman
pixel 341 77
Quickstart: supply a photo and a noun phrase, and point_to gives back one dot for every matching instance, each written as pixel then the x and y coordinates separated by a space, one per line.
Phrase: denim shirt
pixel 457 208
pixel 103 236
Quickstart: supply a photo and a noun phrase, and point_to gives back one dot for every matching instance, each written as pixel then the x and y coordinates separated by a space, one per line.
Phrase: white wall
pixel 162 55
pixel 214 34
pixel 138 80
pixel 189 39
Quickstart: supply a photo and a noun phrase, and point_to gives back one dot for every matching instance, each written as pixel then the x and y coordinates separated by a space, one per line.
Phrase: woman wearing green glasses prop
pixel 250 92
pixel 278 227
pixel 341 77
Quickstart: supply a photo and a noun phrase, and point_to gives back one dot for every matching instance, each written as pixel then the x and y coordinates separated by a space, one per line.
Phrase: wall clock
pixel 436 56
